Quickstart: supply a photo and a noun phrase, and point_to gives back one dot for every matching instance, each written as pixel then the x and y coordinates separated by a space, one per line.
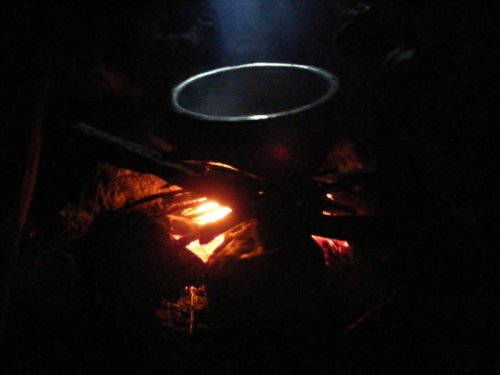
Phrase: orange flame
pixel 205 213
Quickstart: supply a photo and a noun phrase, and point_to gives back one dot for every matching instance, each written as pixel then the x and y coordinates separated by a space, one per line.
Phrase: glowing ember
pixel 341 244
pixel 215 215
pixel 200 209
pixel 331 246
pixel 204 251
pixel 223 165
pixel 207 213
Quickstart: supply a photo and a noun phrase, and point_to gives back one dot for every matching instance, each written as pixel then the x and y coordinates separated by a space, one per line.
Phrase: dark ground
pixel 428 121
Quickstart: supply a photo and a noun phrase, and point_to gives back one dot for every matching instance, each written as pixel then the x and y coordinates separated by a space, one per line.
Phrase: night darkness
pixel 405 148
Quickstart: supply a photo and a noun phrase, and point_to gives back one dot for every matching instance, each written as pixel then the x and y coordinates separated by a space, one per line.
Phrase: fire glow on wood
pixel 207 212
pixel 203 251
pixel 210 211
pixel 203 211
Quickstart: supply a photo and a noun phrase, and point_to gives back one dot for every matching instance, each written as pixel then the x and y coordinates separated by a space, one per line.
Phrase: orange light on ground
pixel 204 251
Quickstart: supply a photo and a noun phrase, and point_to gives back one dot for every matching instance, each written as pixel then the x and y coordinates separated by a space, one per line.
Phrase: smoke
pixel 257 30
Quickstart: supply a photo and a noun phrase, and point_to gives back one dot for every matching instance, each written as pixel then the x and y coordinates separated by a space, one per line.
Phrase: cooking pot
pixel 267 118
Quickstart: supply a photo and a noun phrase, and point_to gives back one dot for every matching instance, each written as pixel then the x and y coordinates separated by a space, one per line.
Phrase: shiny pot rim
pixel 331 80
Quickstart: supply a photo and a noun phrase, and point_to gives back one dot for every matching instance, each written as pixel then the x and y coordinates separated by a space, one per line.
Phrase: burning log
pixel 226 185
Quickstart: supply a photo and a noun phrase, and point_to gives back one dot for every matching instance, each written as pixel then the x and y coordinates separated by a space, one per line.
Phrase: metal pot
pixel 256 116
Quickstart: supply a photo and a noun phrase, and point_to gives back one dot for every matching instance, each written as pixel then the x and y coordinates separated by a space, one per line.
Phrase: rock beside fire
pixel 130 259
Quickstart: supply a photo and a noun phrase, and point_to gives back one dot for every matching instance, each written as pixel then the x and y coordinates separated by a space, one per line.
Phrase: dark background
pixel 429 121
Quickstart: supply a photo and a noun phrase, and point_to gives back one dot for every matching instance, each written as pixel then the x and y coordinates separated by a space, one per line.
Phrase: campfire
pixel 239 235
pixel 189 213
